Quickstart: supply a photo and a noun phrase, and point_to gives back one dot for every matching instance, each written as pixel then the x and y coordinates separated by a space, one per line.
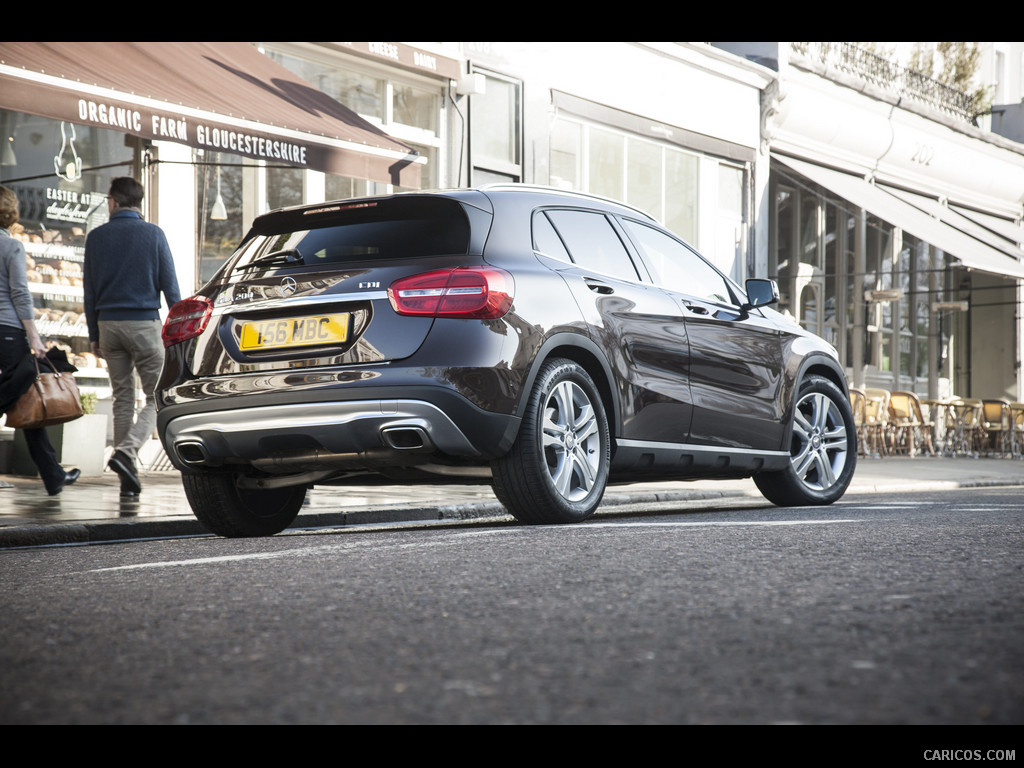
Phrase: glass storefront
pixel 230 190
pixel 496 130
pixel 655 177
pixel 61 172
pixel 814 259
pixel 409 110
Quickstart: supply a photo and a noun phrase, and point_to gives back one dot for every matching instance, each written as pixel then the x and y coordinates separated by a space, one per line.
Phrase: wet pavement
pixel 91 510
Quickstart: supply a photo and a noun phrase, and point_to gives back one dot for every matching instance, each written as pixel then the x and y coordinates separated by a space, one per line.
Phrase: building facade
pixel 772 159
pixel 895 221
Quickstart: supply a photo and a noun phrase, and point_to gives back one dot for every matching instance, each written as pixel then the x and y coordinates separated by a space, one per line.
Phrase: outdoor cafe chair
pixel 995 422
pixel 965 433
pixel 909 430
pixel 876 421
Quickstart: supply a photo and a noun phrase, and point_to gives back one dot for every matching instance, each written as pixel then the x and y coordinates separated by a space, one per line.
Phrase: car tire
pixel 557 468
pixel 823 449
pixel 223 507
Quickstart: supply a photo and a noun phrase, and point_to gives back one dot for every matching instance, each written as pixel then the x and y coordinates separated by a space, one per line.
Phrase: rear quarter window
pixel 546 240
pixel 593 243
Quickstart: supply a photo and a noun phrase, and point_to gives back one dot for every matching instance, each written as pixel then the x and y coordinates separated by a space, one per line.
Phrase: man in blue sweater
pixel 128 264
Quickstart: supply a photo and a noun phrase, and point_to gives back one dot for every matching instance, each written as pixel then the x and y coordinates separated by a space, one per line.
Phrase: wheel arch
pixel 583 351
pixel 824 366
pixel 811 364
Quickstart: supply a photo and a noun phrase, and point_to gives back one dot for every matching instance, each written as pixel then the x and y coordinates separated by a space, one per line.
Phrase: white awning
pixel 970 251
pixel 957 220
pixel 997 224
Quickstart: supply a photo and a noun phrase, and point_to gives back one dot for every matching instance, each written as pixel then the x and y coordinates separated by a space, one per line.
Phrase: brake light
pixel 466 292
pixel 187 319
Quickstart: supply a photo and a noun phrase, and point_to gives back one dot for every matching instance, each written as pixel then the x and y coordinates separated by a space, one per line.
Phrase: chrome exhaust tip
pixel 406 438
pixel 192 453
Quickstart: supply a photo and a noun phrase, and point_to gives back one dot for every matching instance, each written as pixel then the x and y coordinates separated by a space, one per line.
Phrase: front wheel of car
pixel 557 469
pixel 224 507
pixel 823 449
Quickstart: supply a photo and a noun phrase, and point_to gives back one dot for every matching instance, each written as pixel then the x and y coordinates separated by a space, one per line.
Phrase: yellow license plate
pixel 313 330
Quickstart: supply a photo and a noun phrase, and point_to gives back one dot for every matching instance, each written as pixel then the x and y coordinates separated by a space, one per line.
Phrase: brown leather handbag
pixel 52 399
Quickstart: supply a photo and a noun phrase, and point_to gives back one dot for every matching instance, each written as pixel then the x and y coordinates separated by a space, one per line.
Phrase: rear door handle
pixel 597 287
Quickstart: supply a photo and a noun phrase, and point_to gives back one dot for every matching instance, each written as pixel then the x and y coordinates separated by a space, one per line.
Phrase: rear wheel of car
pixel 226 509
pixel 557 469
pixel 823 449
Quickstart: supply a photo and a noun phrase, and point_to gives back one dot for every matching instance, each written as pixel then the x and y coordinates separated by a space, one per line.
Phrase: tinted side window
pixel 593 243
pixel 676 267
pixel 546 240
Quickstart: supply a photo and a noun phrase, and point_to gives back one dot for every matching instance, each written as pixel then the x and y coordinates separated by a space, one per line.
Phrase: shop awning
pixel 955 219
pixel 225 97
pixel 1000 226
pixel 968 250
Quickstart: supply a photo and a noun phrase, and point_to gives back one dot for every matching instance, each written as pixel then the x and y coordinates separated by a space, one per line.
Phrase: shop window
pixel 657 178
pixel 606 163
pixel 416 107
pixel 220 194
pixel 879 277
pixel 342 187
pixel 495 118
pixel 810 208
pixel 922 318
pixel 284 187
pixel 61 173
pixel 682 193
pixel 906 316
pixel 810 299
pixel 644 177
pixel 784 229
pixel 362 93
pixel 566 154
pixel 838 248
pixel 408 111
pixel 731 234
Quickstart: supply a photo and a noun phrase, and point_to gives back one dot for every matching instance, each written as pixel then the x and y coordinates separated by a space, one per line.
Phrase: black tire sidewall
pixel 785 487
pixel 533 497
pixel 221 508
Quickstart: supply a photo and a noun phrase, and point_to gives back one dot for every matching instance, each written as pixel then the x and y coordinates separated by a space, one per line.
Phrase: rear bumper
pixel 286 437
pixel 252 435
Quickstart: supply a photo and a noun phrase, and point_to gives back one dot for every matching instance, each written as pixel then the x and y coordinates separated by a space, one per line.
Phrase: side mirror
pixel 760 293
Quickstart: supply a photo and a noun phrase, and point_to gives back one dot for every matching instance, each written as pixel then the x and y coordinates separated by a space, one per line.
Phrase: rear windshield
pixel 386 230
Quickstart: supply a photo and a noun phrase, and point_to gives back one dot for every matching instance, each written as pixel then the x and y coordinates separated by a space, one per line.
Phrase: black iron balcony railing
pixel 887 75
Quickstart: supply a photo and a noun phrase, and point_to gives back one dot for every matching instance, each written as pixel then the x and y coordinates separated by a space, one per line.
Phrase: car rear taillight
pixel 468 292
pixel 187 319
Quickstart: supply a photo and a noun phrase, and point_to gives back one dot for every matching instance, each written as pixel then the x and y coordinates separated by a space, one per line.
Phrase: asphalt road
pixel 874 611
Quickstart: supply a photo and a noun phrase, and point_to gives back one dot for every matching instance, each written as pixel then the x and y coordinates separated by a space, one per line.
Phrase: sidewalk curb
pixel 32 533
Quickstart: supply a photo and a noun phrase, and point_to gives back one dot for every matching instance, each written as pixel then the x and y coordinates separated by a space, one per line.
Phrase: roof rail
pixel 541 188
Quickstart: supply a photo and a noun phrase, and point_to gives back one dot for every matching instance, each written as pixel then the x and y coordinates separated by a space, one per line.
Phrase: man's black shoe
pixel 69 479
pixel 125 469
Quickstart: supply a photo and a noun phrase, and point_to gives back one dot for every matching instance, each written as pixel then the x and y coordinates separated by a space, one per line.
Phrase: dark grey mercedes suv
pixel 544 342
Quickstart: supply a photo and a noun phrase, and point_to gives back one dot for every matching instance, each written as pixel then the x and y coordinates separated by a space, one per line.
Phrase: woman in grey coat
pixel 19 337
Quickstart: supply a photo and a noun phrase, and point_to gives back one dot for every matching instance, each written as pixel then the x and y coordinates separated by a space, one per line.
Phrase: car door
pixel 736 356
pixel 635 323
